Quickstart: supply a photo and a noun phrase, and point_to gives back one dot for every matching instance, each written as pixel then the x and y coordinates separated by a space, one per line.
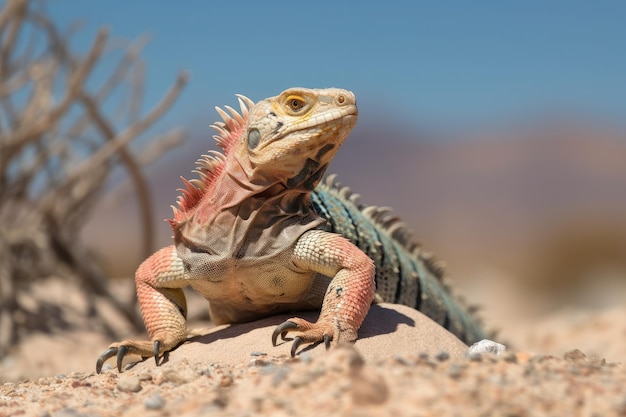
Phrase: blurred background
pixel 496 130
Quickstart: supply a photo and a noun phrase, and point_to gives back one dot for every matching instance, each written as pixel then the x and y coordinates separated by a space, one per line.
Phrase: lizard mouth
pixel 344 115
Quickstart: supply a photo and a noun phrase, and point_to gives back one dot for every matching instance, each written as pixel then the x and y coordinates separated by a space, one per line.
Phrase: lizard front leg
pixel 349 294
pixel 159 280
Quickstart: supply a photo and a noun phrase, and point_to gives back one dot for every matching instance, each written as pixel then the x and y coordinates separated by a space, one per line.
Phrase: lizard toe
pixel 157 351
pixel 106 355
pixel 304 332
pixel 297 341
pixel 282 331
pixel 121 352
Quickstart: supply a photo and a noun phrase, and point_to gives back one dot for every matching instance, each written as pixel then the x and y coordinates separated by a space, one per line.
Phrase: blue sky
pixel 438 63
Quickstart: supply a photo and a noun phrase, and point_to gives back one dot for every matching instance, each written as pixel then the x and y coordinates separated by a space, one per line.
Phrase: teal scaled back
pixel 405 274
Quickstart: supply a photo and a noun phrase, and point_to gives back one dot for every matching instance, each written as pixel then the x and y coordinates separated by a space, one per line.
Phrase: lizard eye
pixel 254 137
pixel 295 103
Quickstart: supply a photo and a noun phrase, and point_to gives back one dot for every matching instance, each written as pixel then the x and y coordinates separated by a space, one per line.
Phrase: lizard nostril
pixel 341 99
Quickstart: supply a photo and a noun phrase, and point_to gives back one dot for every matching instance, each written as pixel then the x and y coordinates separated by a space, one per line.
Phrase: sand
pixel 402 365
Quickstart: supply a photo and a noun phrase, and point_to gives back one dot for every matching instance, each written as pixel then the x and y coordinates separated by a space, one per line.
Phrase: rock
pixel 574 356
pixel 486 346
pixel 180 374
pixel 129 384
pixel 154 402
pixel 388 330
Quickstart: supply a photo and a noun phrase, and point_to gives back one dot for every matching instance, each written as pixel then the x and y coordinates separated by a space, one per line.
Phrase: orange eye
pixel 341 99
pixel 295 103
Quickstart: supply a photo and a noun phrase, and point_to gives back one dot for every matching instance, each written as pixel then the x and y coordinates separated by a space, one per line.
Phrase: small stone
pixel 403 361
pixel 179 376
pixel 227 380
pixel 69 412
pixel 510 357
pixel 260 362
pixel 106 367
pixel 280 375
pixel 129 384
pixel 209 369
pixel 574 356
pixel 270 368
pixel 256 353
pixel 154 401
pixel 442 356
pixel 456 370
pixel 424 360
pixel 486 346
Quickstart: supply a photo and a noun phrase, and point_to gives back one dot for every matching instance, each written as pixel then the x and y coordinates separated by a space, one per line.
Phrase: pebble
pixel 280 375
pixel 179 376
pixel 154 402
pixel 71 412
pixel 486 346
pixel 403 361
pixel 129 384
pixel 574 356
pixel 510 357
pixel 456 370
pixel 260 362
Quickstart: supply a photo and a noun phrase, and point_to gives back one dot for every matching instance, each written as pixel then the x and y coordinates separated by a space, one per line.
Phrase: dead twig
pixel 58 147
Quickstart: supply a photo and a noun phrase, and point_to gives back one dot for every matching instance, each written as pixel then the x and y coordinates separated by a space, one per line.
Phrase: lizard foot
pixel 303 332
pixel 145 349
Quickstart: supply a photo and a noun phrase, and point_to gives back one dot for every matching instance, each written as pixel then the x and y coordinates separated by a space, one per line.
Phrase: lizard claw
pixel 304 332
pixel 282 330
pixel 121 352
pixel 327 340
pixel 297 341
pixel 109 353
pixel 157 349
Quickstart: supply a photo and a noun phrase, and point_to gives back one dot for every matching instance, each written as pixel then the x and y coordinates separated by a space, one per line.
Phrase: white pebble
pixel 486 346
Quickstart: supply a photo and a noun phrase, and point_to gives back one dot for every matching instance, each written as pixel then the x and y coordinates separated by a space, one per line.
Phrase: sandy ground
pixel 567 363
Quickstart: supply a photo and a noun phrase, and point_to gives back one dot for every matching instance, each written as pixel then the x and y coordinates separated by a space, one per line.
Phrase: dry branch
pixel 57 151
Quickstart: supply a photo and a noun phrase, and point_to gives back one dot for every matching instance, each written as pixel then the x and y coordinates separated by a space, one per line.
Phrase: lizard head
pixel 291 138
pixel 285 141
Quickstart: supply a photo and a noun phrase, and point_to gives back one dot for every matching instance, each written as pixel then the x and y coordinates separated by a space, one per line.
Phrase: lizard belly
pixel 241 290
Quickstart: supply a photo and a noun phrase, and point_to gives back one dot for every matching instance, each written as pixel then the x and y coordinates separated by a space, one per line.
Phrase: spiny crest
pixel 210 166
pixel 398 230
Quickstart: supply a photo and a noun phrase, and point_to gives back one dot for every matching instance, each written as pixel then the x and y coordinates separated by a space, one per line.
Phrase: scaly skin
pixel 246 236
pixel 255 237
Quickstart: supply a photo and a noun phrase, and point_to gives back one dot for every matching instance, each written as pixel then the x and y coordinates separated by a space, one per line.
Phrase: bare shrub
pixel 61 137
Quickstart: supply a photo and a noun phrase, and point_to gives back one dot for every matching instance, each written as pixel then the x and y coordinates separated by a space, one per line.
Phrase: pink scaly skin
pixel 341 317
pixel 246 237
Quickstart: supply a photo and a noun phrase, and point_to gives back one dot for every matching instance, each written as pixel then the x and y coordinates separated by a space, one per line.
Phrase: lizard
pixel 260 231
